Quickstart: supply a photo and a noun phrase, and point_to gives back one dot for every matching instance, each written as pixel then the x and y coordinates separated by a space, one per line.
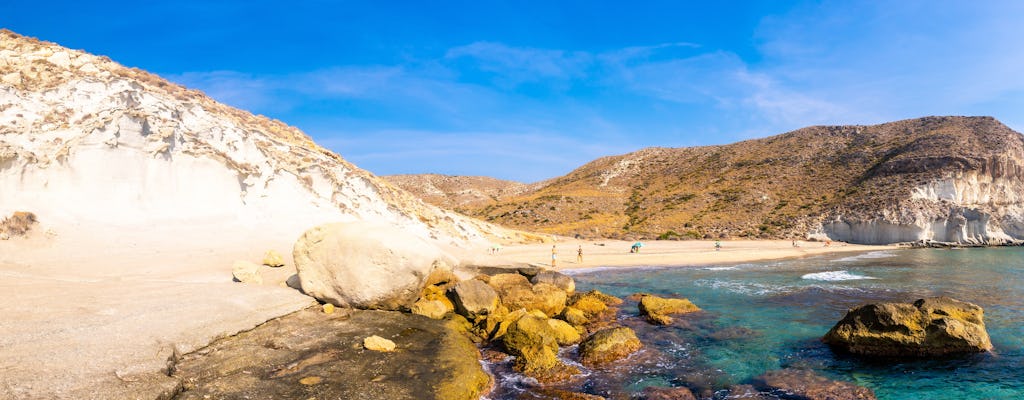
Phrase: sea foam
pixel 833 276
pixel 866 256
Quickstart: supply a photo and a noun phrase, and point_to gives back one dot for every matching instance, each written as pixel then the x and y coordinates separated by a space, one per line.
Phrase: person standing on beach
pixel 554 256
pixel 579 254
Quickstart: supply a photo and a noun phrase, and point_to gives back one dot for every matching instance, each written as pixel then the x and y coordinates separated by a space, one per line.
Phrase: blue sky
pixel 529 90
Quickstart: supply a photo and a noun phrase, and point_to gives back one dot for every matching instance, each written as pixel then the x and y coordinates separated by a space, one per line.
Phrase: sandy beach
pixel 614 253
pixel 105 315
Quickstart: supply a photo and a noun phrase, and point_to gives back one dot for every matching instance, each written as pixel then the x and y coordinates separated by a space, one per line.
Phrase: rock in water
pixel 246 272
pixel 366 265
pixel 609 345
pixel 657 309
pixel 273 259
pixel 565 334
pixel 474 297
pixel 801 384
pixel 533 341
pixel 666 393
pixel 377 343
pixel 928 327
pixel 562 281
pixel 515 291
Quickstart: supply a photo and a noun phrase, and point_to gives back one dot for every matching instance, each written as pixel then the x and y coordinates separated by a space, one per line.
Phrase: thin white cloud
pixel 238 89
pixel 517 65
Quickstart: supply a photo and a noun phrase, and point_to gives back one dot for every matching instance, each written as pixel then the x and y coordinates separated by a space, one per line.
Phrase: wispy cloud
pixel 516 65
pixel 528 112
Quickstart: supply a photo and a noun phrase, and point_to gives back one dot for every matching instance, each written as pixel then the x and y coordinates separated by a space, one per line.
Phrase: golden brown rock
pixel 928 327
pixel 657 309
pixel 273 259
pixel 377 343
pixel 430 309
pixel 609 345
pixel 565 334
pixel 532 340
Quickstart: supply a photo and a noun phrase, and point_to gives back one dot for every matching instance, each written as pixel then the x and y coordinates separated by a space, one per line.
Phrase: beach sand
pixel 615 253
pixel 99 316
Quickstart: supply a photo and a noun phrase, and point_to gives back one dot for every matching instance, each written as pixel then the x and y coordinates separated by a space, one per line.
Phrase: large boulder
pixel 591 311
pixel 533 341
pixel 517 292
pixel 474 298
pixel 802 384
pixel 430 308
pixel 657 309
pixel 609 345
pixel 928 327
pixel 560 280
pixel 367 265
pixel 565 334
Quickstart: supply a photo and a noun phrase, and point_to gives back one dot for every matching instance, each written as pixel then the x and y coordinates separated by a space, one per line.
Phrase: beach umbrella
pixel 638 244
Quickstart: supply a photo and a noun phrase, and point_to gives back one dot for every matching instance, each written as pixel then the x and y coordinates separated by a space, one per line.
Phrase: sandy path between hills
pixel 100 318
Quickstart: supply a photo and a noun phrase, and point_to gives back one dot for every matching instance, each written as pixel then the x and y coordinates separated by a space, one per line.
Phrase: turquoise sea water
pixel 770 315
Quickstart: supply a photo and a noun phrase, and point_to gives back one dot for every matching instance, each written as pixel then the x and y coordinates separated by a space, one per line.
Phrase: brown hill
pixel 940 178
pixel 459 193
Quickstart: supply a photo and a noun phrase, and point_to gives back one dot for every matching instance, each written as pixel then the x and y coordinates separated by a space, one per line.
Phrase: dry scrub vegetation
pixel 18 224
pixel 776 187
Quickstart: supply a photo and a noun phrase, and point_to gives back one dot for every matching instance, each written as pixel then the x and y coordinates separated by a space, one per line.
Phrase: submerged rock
pixel 367 265
pixel 928 327
pixel 544 393
pixel 278 359
pixel 657 309
pixel 806 385
pixel 666 393
pixel 609 345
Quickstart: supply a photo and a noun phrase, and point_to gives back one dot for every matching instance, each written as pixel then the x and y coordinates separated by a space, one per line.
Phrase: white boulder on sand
pixel 367 265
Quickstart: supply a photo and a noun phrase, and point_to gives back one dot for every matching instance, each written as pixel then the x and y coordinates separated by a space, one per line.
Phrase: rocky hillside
pixel 955 179
pixel 86 142
pixel 458 193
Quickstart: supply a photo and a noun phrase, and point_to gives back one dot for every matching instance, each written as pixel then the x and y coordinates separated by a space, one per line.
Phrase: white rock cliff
pixel 85 142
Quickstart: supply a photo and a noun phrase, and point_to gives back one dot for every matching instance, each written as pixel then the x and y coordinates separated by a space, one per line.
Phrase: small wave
pixel 747 288
pixel 721 268
pixel 833 276
pixel 866 256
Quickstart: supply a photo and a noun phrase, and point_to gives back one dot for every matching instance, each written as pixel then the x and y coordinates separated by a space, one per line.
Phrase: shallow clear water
pixel 771 315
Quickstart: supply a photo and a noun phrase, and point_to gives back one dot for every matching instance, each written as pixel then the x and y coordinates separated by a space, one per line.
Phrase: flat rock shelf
pixel 310 354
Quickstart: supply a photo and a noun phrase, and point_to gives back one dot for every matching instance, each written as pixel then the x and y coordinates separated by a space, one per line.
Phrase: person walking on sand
pixel 554 256
pixel 579 254
pixel 718 245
